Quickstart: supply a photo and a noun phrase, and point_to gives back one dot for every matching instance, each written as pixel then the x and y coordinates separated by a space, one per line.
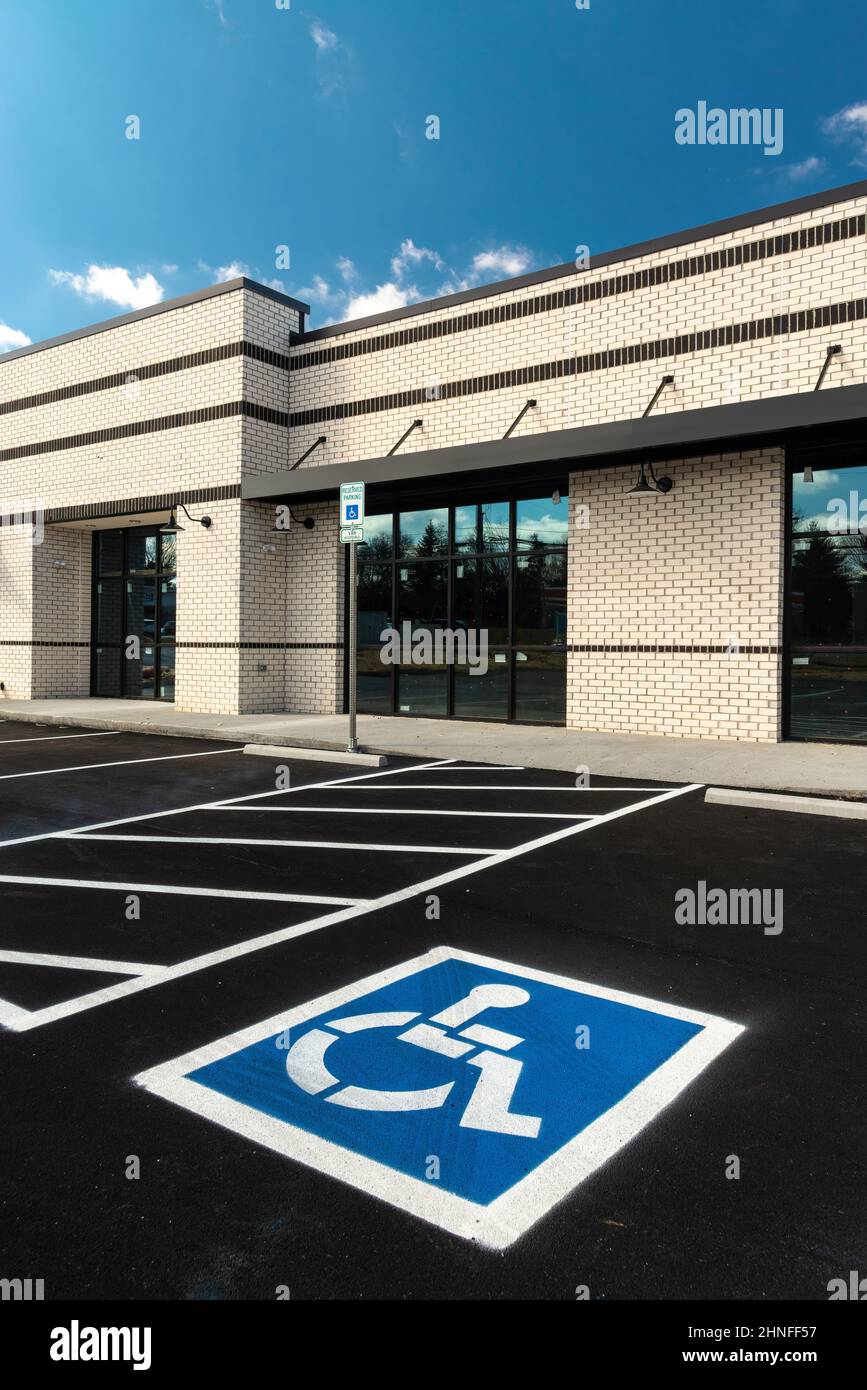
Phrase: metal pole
pixel 352 745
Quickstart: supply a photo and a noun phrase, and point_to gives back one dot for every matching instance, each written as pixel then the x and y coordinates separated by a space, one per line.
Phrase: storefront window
pixel 827 619
pixel 541 522
pixel 492 571
pixel 423 533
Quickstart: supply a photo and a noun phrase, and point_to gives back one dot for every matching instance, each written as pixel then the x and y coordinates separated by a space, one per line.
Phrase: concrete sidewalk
pixel 822 768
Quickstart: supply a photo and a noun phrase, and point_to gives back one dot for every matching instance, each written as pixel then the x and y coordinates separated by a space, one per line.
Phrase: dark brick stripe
pixel 728 258
pixel 262 646
pixel 149 373
pixel 204 415
pixel 732 334
pixel 641 648
pixel 233 646
pixel 754 330
pixel 684 649
pixel 128 506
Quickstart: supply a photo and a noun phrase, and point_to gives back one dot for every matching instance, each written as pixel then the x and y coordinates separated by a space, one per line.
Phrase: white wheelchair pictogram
pixel 488 1106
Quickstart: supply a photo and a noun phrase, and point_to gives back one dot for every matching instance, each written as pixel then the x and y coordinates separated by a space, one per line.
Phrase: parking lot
pixel 188 932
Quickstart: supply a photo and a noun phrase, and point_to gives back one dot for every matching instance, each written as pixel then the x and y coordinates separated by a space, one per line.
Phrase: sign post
pixel 351 533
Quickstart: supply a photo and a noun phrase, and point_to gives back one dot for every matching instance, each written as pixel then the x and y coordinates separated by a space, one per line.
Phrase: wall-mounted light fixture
pixel 308 523
pixel 173 526
pixel 645 486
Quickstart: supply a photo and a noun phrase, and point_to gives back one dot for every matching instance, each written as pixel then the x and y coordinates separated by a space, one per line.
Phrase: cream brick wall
pixel 61 614
pixel 292 602
pixel 702 566
pixel 207 654
pixel 809 278
pixel 44 603
pixel 16 629
pixel 190 456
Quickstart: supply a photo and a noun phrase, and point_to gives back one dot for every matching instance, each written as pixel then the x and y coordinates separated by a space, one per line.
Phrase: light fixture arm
pixel 202 520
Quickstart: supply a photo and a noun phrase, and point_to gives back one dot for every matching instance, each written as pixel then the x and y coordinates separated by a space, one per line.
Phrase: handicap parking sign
pixel 468 1091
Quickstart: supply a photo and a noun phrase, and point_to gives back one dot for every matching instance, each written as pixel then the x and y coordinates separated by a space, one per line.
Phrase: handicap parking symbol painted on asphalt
pixel 510 1084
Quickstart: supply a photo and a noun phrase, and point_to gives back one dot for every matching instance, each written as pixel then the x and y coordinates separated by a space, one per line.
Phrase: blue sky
pixel 305 127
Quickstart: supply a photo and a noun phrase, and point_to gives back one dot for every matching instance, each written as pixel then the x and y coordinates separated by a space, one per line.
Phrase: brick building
pixel 733 605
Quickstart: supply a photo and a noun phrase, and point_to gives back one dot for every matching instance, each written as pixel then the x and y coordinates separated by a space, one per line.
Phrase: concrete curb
pixel 776 801
pixel 316 755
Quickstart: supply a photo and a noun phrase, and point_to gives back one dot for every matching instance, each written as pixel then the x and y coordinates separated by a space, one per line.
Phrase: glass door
pixel 134 598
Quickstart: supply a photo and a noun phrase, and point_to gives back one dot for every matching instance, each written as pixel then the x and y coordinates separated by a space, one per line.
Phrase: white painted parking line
pixel 402 811
pixel 203 805
pixel 125 762
pixel 38 1017
pixel 15 1018
pixel 276 844
pixel 55 738
pixel 464 787
pixel 473 767
pixel 109 967
pixel 182 890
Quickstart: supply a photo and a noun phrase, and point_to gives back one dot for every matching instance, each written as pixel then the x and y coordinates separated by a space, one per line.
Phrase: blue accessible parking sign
pixel 470 1092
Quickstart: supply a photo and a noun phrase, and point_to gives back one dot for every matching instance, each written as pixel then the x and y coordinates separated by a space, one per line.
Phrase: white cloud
pixel 323 37
pixel 113 283
pixel 233 271
pixel 383 298
pixel 221 12
pixel 500 263
pixel 350 300
pixel 12 338
pixel 850 125
pixel 504 261
pixel 220 273
pixel 319 291
pixel 410 254
pixel 812 165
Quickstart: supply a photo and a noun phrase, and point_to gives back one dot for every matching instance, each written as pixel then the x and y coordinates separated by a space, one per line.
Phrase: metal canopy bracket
pixel 519 417
pixel 315 445
pixel 832 351
pixel 666 381
pixel 620 441
pixel 416 425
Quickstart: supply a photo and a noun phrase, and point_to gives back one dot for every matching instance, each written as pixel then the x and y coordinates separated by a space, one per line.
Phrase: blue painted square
pixel 564 1087
pixel 351 511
